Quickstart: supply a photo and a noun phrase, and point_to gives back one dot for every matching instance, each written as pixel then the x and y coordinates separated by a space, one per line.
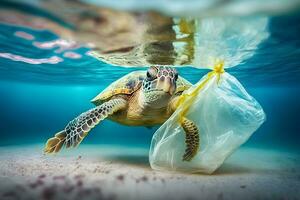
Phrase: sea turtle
pixel 140 98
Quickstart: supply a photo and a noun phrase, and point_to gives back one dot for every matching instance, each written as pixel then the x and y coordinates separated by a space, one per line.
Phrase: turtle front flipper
pixel 191 138
pixel 79 127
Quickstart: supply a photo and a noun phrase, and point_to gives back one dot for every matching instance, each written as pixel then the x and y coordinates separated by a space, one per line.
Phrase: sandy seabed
pixel 99 172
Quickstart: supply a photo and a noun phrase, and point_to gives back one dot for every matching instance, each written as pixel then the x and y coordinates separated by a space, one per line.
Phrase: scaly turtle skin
pixel 140 98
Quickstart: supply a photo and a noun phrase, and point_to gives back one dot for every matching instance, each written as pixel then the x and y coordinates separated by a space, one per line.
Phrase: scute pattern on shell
pixel 125 85
pixel 182 84
pixel 129 83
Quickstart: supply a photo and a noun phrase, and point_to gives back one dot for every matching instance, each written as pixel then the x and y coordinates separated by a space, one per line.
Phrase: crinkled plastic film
pixel 226 116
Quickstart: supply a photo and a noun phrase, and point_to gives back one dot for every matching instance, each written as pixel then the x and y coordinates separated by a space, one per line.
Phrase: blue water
pixel 38 100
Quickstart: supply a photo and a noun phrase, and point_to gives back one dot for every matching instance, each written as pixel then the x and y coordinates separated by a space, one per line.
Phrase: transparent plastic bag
pixel 226 116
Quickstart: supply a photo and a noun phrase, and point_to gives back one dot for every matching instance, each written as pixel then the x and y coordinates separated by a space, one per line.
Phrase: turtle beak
pixel 167 85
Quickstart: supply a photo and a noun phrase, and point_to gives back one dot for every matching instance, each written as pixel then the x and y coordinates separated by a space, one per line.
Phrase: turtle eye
pixel 148 75
pixel 151 74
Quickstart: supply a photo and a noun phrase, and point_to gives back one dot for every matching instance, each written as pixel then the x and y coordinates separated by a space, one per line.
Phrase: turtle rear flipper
pixel 191 139
pixel 79 127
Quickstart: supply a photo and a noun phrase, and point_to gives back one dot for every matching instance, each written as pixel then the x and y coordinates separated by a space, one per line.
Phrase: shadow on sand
pixel 143 161
pixel 137 160
pixel 228 168
pixel 237 169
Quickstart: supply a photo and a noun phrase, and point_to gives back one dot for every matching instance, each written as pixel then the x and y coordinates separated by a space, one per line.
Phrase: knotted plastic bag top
pixel 226 116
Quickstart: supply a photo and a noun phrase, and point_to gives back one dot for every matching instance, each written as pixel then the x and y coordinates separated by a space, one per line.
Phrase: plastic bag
pixel 226 116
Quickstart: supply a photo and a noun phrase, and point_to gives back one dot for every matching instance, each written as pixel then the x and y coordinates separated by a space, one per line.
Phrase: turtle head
pixel 159 86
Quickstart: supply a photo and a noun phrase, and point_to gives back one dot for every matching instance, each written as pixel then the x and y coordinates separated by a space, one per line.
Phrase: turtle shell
pixel 182 84
pixel 125 85
pixel 130 83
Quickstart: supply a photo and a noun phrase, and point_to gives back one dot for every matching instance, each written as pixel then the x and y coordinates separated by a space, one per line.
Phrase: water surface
pixel 46 80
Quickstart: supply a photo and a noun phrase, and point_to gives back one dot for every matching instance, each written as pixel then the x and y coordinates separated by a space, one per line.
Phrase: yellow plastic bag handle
pixel 187 99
